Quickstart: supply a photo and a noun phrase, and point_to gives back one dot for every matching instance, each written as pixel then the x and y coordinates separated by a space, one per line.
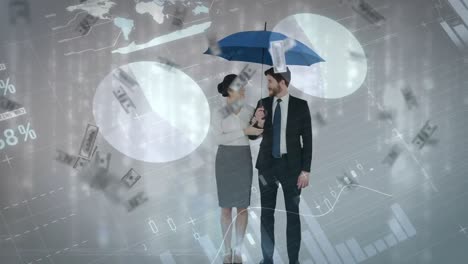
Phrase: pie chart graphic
pixel 151 112
pixel 345 66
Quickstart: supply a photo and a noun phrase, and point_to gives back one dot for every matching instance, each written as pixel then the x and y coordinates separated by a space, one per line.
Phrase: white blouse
pixel 230 130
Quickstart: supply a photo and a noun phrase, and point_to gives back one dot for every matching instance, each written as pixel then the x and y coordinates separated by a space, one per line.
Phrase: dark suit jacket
pixel 298 125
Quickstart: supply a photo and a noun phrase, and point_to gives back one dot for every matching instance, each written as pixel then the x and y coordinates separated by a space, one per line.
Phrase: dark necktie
pixel 277 130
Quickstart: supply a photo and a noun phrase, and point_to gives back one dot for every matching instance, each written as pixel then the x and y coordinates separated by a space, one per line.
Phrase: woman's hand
pixel 253 131
pixel 260 113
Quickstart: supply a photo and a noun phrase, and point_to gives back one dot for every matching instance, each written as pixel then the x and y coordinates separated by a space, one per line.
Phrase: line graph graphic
pixel 307 215
pixel 91 27
pixel 95 50
pixel 69 22
pixel 87 33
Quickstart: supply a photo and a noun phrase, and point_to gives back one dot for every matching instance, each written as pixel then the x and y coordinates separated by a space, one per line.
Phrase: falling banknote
pixel 409 97
pixel 126 78
pixel 231 108
pixel 367 12
pixel 243 78
pixel 278 56
pixel 278 51
pixel 213 44
pixel 393 155
pixel 320 119
pixel 86 24
pixel 136 201
pixel 88 141
pixel 179 16
pixel 130 178
pixel 8 104
pixel 95 172
pixel 65 158
pixel 424 134
pixel 129 93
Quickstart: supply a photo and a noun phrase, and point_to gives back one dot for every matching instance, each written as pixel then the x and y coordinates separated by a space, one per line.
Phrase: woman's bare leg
pixel 241 226
pixel 226 228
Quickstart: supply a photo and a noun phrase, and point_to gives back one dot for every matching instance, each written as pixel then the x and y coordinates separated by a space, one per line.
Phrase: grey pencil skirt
pixel 233 170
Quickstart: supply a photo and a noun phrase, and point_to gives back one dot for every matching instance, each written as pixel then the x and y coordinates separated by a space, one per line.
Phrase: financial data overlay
pixel 112 116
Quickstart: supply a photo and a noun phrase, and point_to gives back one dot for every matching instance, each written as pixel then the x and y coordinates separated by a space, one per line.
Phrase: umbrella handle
pixel 263 57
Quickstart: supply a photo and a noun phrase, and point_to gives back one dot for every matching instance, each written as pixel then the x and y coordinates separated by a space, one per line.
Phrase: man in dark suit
pixel 282 159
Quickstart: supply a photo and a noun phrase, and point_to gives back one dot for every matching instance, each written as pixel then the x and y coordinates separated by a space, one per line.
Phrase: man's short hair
pixel 285 76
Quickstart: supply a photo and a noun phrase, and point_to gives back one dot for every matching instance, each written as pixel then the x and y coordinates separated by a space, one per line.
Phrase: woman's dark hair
pixel 224 85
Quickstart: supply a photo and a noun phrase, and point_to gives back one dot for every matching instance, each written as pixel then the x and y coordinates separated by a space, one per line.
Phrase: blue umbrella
pixel 250 46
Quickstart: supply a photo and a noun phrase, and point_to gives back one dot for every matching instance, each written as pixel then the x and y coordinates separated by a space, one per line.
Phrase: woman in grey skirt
pixel 233 167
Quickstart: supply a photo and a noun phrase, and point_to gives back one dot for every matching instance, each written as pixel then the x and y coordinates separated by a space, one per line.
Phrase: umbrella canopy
pixel 250 46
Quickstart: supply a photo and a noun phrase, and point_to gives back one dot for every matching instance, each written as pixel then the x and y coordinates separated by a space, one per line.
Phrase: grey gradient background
pixel 57 91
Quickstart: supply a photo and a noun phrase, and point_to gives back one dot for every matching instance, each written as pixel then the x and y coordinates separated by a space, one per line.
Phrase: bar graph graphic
pixel 461 7
pixel 397 230
pixel 380 245
pixel 370 250
pixel 319 235
pixel 350 251
pixel 457 30
pixel 246 256
pixel 390 240
pixel 208 247
pixel 356 250
pixel 452 35
pixel 345 254
pixel 318 245
pixel 253 238
pixel 250 239
pixel 313 248
pixel 404 220
pixel 256 226
pixel 210 251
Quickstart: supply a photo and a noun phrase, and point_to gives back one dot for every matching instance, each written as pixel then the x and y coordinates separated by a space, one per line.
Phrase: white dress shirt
pixel 230 130
pixel 284 118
